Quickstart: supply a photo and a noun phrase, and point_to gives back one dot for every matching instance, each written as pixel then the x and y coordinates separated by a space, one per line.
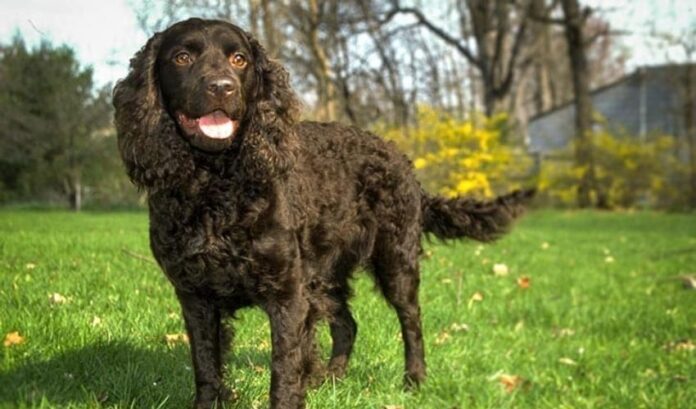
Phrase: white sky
pixel 104 33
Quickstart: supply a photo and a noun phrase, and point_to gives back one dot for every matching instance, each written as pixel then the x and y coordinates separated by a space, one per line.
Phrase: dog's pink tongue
pixel 216 125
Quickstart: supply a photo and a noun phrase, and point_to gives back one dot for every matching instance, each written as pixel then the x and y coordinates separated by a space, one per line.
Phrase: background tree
pixel 685 44
pixel 492 37
pixel 51 123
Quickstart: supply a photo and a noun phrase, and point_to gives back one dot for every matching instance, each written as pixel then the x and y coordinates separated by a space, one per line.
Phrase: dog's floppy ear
pixel 271 142
pixel 275 94
pixel 147 139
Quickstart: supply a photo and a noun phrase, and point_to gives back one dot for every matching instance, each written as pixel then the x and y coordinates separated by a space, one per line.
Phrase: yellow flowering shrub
pixel 630 172
pixel 454 157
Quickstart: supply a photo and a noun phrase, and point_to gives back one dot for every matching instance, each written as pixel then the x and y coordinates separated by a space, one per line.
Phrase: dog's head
pixel 197 90
pixel 206 73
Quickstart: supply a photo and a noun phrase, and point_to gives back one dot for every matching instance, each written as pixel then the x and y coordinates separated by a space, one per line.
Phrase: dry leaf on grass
pixel 476 297
pixel 689 282
pixel 174 339
pixel 442 337
pixel 500 270
pixel 519 326
pixel 524 282
pixel 510 382
pixel 459 327
pixel 567 361
pixel 564 332
pixel 392 407
pixel 264 345
pixel 681 345
pixel 13 338
pixel 57 299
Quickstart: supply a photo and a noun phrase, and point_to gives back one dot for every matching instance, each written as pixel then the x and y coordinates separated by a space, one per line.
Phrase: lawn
pixel 591 314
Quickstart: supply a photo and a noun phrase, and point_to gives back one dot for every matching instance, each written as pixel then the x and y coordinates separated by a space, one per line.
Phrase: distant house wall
pixel 646 102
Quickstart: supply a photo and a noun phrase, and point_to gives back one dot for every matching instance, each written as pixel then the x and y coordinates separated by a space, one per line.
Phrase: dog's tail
pixel 479 220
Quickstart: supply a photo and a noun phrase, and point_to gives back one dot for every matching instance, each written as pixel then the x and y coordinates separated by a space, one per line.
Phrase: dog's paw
pixel 214 398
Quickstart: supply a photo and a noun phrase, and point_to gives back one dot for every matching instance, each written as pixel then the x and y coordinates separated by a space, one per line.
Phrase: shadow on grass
pixel 108 374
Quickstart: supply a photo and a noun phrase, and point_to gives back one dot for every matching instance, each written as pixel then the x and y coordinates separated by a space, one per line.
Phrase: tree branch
pixel 443 35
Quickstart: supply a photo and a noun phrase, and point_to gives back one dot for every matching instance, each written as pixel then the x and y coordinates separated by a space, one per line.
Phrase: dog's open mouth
pixel 215 125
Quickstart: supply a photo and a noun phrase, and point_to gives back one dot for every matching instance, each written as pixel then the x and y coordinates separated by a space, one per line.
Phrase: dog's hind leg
pixel 396 269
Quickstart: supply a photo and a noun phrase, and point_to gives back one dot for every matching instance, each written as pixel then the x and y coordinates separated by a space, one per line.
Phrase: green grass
pixel 587 333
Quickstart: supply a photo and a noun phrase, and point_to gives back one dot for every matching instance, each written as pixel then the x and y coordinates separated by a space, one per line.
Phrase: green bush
pixel 631 172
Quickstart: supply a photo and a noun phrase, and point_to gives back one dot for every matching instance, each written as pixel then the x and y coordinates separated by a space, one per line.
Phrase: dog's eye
pixel 183 58
pixel 238 60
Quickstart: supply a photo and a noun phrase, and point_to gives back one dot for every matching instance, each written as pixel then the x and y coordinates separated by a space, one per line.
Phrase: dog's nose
pixel 221 87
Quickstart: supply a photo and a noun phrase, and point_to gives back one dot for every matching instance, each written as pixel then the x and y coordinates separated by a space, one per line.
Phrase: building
pixel 651 100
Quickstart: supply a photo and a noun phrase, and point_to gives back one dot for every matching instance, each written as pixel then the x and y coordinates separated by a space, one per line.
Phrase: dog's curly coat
pixel 278 215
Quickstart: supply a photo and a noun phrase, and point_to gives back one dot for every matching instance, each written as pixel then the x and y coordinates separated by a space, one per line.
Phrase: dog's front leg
pixel 205 333
pixel 290 336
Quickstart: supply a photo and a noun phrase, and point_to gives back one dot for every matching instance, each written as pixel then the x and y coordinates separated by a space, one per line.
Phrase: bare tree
pixel 574 19
pixel 685 42
pixel 498 30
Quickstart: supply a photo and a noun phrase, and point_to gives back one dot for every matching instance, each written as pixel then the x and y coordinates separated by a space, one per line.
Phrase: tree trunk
pixel 584 157
pixel 269 29
pixel 326 89
pixel 690 128
pixel 76 198
pixel 73 189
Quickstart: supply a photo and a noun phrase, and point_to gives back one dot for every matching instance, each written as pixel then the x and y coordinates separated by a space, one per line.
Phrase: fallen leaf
pixel 510 382
pixel 173 339
pixel 567 361
pixel 564 332
pixel 524 282
pixel 96 321
pixel 544 246
pixel 689 282
pixel 476 297
pixel 30 266
pixel 392 407
pixel 442 337
pixel 264 345
pixel 681 345
pixel 500 270
pixel 459 327
pixel 56 298
pixel 609 259
pixel 13 338
pixel 519 326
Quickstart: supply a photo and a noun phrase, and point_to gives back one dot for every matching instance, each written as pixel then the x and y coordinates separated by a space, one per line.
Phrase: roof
pixel 643 70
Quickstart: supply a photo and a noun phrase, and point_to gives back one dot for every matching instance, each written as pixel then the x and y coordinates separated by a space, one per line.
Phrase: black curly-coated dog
pixel 249 206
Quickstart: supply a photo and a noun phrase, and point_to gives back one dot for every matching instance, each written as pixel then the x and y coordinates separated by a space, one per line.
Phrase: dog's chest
pixel 220 245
